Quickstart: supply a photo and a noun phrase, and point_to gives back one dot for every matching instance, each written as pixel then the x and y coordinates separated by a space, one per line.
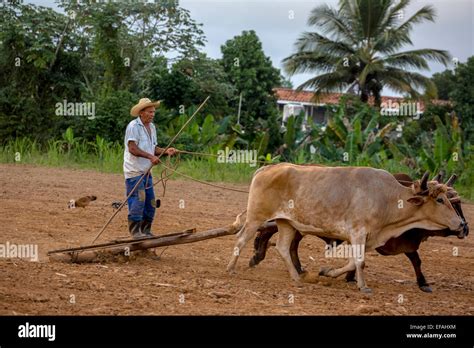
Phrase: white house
pixel 292 102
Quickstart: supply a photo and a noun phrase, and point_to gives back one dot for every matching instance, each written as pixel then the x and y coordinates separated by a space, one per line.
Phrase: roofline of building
pixel 282 101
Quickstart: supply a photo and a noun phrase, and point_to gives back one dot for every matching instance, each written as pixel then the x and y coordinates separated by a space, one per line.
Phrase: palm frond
pixel 417 58
pixel 335 81
pixel 426 13
pixel 391 40
pixel 312 41
pixel 393 15
pixel 308 61
pixel 350 10
pixel 329 20
pixel 406 81
pixel 371 17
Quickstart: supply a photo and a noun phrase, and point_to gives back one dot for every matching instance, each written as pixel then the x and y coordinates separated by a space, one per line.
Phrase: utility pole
pixel 240 106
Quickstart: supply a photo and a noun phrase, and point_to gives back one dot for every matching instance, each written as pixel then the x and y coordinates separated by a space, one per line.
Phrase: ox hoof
pixel 323 271
pixel 350 277
pixel 253 262
pixel 426 288
pixel 366 290
pixel 231 270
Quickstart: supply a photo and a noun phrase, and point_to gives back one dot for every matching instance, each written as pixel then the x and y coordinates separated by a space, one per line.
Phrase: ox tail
pixel 238 224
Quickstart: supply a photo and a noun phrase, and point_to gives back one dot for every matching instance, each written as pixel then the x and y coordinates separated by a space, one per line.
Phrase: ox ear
pixel 451 180
pixel 417 200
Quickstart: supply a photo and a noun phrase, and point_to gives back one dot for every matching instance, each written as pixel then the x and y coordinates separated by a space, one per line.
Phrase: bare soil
pixel 191 279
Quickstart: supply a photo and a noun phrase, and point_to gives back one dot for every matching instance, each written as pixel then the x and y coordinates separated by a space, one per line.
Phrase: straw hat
pixel 142 104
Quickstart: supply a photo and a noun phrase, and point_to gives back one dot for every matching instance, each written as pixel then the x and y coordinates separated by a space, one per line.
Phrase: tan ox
pixel 361 205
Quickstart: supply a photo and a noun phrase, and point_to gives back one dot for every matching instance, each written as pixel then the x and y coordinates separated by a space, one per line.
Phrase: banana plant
pixel 355 140
pixel 445 152
pixel 295 137
pixel 69 141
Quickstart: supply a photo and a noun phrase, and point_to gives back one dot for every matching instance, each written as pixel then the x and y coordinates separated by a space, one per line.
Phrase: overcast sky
pixel 278 23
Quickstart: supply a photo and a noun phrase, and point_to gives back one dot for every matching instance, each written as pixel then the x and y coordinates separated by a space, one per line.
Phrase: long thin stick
pixel 143 176
pixel 184 125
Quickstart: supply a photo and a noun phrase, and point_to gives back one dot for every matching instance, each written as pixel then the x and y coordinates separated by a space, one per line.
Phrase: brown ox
pixel 363 206
pixel 408 243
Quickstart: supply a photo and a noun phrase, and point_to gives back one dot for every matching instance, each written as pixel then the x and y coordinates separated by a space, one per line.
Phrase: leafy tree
pixel 253 75
pixel 99 53
pixel 357 47
pixel 463 97
pixel 285 82
pixel 112 116
pixel 36 71
pixel 458 87
pixel 127 36
pixel 190 81
pixel 444 82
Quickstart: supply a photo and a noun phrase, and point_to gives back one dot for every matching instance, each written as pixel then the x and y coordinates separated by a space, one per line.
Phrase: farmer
pixel 141 152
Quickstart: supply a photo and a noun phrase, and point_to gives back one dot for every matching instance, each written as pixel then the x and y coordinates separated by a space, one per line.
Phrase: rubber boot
pixel 146 228
pixel 134 228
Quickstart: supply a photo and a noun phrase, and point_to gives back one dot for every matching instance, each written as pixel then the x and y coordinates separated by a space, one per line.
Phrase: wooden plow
pixel 91 253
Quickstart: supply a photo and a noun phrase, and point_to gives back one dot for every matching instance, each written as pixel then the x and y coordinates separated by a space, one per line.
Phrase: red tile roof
pixel 288 94
pixel 306 96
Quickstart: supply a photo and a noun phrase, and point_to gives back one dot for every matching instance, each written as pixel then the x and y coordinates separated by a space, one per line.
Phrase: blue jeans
pixel 141 204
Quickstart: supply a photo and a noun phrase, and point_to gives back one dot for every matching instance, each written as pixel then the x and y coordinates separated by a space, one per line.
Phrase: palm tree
pixel 357 49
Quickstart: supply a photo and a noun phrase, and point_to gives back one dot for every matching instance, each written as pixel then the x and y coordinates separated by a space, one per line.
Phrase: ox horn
pixel 451 180
pixel 439 178
pixel 424 181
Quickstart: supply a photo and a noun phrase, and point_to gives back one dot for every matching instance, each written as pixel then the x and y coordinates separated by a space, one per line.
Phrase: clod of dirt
pixel 217 294
pixel 366 309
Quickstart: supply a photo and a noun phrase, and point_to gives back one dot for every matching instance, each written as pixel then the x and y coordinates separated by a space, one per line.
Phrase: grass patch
pixel 107 157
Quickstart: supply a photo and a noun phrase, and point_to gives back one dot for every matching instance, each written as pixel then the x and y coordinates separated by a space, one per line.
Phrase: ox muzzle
pixel 463 230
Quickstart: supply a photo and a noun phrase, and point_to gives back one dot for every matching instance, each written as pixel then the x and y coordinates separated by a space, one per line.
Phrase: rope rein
pixel 200 181
pixel 164 176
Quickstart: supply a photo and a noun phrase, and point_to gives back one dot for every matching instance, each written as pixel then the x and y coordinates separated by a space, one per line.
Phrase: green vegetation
pixel 356 134
pixel 457 86
pixel 104 156
pixel 69 152
pixel 357 47
pixel 111 54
